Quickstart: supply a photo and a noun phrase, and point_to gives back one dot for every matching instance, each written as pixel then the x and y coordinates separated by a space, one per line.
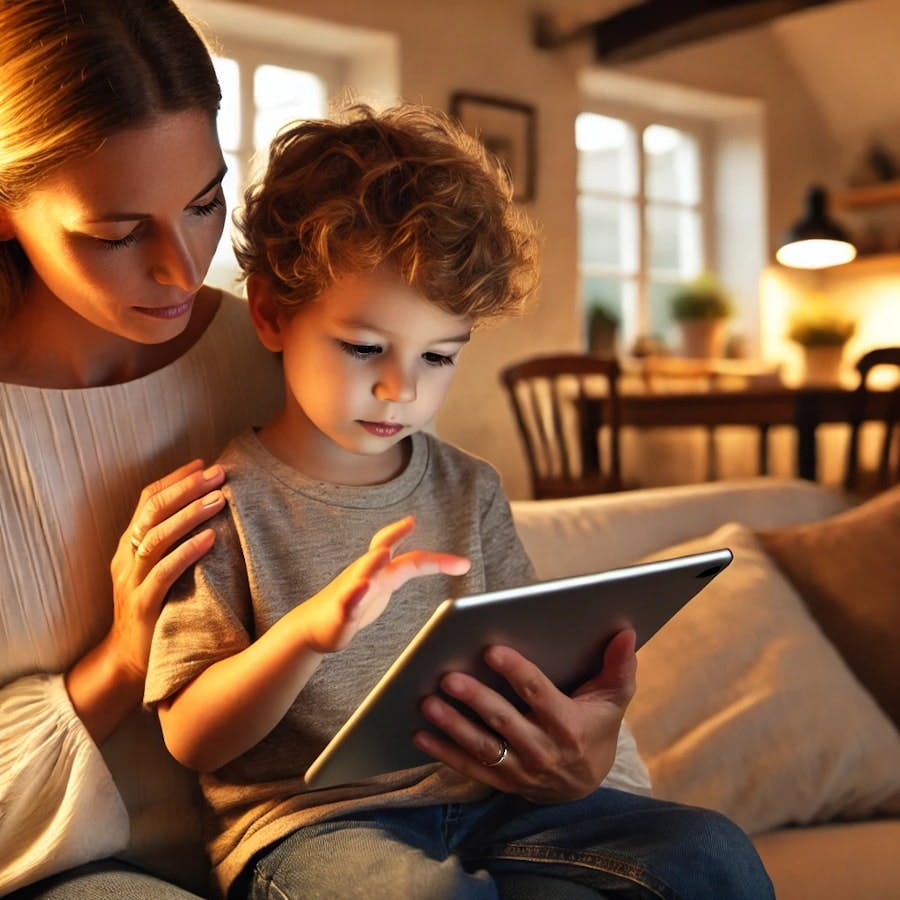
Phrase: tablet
pixel 562 626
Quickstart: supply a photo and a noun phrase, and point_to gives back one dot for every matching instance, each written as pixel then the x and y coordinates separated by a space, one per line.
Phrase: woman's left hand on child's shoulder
pixel 560 750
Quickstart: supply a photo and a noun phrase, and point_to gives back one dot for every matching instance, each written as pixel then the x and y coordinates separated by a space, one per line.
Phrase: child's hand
pixel 359 595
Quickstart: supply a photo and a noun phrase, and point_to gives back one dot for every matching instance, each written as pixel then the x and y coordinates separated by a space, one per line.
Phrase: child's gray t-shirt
pixel 281 538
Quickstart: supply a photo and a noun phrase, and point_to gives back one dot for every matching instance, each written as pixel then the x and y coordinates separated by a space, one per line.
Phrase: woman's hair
pixel 73 72
pixel 405 189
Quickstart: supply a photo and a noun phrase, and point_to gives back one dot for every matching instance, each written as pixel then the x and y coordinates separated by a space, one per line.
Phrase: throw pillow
pixel 846 570
pixel 743 706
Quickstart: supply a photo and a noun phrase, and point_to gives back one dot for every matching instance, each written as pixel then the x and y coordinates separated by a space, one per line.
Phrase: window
pixel 272 68
pixel 259 95
pixel 643 217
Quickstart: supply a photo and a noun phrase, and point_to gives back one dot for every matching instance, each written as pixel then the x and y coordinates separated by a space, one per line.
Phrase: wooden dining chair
pixel 888 469
pixel 564 436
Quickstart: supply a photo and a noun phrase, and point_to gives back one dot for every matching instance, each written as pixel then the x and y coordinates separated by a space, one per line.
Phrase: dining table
pixel 802 407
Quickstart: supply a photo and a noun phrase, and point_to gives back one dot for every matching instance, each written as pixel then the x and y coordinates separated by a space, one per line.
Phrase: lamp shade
pixel 815 241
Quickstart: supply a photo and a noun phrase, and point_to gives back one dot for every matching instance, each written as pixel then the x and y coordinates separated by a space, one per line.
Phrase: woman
pixel 116 366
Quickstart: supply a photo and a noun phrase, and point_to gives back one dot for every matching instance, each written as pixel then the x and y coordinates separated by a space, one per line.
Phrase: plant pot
pixel 702 338
pixel 822 365
pixel 603 341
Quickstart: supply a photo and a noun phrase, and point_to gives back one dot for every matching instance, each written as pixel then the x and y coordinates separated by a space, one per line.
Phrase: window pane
pixel 608 233
pixel 674 241
pixel 603 290
pixel 672 164
pixel 282 95
pixel 229 121
pixel 224 268
pixel 607 159
pixel 661 323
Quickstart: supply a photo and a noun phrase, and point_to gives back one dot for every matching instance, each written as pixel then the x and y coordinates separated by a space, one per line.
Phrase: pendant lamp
pixel 815 241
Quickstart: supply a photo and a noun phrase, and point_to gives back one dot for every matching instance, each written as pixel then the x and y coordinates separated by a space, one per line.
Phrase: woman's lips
pixel 382 429
pixel 167 312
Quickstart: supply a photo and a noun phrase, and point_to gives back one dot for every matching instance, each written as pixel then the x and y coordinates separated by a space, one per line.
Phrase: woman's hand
pixel 560 750
pixel 359 595
pixel 109 681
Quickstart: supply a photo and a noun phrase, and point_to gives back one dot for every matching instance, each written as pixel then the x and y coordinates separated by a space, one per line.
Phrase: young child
pixel 372 248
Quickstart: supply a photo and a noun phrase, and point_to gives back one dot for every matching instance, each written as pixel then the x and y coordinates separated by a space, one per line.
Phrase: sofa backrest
pixel 589 534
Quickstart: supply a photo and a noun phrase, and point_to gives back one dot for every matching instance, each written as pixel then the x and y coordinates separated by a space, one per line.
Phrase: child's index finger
pixel 389 536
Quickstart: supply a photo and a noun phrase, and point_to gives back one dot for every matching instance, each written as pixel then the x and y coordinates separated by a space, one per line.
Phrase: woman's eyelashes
pixel 207 209
pixel 202 209
pixel 368 351
pixel 126 241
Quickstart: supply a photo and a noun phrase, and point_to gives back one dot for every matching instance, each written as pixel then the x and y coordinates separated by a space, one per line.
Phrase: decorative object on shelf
pixel 822 335
pixel 815 241
pixel 878 164
pixel 602 327
pixel 507 129
pixel 700 308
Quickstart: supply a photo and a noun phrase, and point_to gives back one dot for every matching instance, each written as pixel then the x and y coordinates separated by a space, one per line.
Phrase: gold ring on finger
pixel 135 542
pixel 501 755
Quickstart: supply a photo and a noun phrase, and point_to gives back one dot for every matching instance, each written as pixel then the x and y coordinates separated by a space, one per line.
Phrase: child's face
pixel 367 363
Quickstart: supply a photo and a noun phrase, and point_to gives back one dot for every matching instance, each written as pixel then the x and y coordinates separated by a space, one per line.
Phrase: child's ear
pixel 264 312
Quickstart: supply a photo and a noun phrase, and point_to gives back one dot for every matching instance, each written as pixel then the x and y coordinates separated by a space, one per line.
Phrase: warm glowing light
pixel 815 253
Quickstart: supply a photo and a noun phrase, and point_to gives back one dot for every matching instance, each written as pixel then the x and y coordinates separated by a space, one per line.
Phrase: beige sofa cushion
pixel 743 706
pixel 847 571
pixel 589 534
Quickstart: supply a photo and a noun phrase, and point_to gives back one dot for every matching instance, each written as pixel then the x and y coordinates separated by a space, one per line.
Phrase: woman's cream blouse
pixel 72 465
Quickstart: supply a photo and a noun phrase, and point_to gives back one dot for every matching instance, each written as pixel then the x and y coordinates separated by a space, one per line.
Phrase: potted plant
pixel 700 308
pixel 602 326
pixel 822 335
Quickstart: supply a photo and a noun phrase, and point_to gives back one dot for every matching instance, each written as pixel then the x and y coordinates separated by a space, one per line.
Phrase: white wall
pixel 485 46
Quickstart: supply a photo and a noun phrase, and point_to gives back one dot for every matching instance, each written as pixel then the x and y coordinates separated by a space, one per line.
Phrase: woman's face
pixel 124 237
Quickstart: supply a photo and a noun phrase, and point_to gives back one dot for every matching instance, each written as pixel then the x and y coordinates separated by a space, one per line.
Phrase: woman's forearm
pixel 103 691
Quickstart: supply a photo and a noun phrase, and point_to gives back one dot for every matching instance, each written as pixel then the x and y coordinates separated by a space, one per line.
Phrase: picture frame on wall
pixel 507 129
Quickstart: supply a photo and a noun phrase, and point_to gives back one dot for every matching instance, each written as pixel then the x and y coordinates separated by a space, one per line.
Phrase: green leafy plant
pixel 702 298
pixel 601 317
pixel 602 325
pixel 820 328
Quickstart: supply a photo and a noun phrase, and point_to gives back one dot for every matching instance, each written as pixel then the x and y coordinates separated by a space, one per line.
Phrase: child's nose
pixel 395 386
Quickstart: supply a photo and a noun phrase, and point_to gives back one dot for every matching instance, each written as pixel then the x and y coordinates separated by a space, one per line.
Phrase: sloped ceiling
pixel 846 52
pixel 848 55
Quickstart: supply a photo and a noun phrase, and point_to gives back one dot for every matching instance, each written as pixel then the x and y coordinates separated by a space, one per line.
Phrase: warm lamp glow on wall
pixel 815 241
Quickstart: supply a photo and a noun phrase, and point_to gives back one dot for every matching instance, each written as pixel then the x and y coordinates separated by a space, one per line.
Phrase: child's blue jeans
pixel 611 844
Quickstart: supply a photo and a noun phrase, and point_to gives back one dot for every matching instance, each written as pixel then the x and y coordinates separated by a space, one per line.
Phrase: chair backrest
pixel 888 471
pixel 565 405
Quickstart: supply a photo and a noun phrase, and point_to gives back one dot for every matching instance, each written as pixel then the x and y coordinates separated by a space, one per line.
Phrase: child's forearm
pixel 236 702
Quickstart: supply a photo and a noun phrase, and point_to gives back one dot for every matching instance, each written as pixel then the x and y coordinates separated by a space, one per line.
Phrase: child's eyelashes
pixel 438 359
pixel 360 351
pixel 370 351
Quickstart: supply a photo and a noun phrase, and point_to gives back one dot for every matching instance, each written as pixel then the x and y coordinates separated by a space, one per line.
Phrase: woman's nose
pixel 177 264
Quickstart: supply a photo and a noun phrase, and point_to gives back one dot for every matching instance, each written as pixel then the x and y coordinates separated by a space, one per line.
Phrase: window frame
pixel 637 322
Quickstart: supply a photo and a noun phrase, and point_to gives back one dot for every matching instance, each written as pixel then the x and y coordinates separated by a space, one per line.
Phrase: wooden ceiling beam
pixel 653 26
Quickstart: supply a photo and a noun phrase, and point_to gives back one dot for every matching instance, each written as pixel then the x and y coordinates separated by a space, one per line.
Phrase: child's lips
pixel 382 429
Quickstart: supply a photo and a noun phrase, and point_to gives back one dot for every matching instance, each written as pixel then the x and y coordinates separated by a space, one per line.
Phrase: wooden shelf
pixel 882 194
pixel 874 263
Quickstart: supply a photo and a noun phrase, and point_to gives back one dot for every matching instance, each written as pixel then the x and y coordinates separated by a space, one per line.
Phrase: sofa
pixel 773 695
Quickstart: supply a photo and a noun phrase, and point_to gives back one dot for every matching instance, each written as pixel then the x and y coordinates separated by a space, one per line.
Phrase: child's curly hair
pixel 406 188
